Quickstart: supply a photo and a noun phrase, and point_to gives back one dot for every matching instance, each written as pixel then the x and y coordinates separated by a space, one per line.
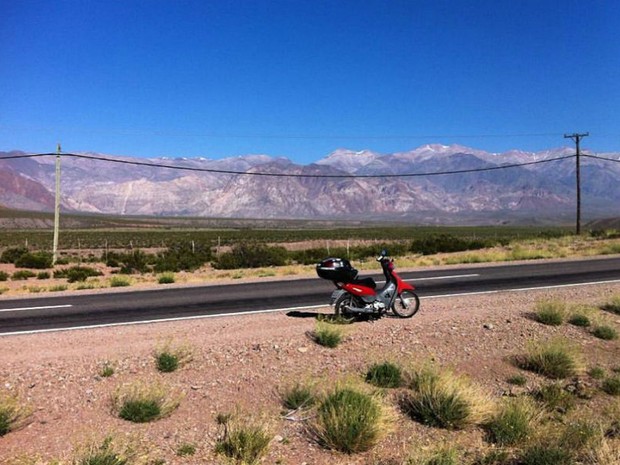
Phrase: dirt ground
pixel 241 363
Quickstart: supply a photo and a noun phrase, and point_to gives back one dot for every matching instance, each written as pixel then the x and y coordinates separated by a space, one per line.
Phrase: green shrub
pixel 166 278
pixel 169 359
pixel 605 332
pixel 298 396
pixel 37 260
pixel 4 276
pixel 513 423
pixel 106 370
pixel 579 319
pixel 167 362
pixel 554 359
pixel 141 403
pixel 444 243
pixel 596 373
pixel 104 454
pixel 10 255
pixel 546 455
pixel 517 380
pixel 327 335
pixel 613 305
pixel 186 450
pixel 445 400
pixel 555 398
pixel 611 386
pixel 22 275
pixel 58 288
pixel 43 275
pixel 581 436
pixel 385 375
pixel 243 442
pixel 335 319
pixel 349 421
pixel 77 273
pixel 13 415
pixel 442 455
pixel 251 256
pixel 133 262
pixel 494 457
pixel 119 281
pixel 550 312
pixel 181 257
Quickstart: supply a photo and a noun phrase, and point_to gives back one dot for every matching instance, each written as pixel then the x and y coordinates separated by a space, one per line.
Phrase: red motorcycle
pixel 360 296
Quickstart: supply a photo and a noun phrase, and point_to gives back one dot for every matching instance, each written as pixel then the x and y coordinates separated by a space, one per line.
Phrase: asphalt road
pixel 85 310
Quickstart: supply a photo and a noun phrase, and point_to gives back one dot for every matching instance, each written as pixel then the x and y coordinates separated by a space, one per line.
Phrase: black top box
pixel 336 269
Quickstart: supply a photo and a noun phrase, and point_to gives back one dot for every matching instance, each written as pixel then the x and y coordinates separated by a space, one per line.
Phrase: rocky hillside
pixel 532 193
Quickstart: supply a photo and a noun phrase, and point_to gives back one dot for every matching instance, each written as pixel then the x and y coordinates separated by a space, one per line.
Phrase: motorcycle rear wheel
pixel 345 300
pixel 406 304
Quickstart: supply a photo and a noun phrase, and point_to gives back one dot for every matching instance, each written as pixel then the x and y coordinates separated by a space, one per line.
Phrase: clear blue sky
pixel 220 78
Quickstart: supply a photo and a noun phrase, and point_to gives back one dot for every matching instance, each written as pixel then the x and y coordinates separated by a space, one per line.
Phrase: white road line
pixel 310 307
pixel 523 289
pixel 181 318
pixel 433 278
pixel 23 309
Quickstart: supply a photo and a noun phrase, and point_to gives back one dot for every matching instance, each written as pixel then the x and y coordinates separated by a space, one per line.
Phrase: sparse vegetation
pixel 245 442
pixel 546 455
pixel 57 288
pixel 555 359
pixel 445 400
pixel 596 372
pixel 36 260
pixel 385 375
pixel 579 319
pixel 605 332
pixel 141 403
pixel 13 415
pixel 327 335
pixel 513 423
pixel 441 455
pixel 611 385
pixel 186 450
pixel 613 305
pixel 22 275
pixel 77 273
pixel 119 281
pixel 169 359
pixel 166 278
pixel 550 312
pixel 107 453
pixel 106 370
pixel 555 398
pixel 298 396
pixel 517 380
pixel 349 421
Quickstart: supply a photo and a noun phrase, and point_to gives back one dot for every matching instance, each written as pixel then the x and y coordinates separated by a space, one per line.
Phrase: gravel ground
pixel 241 363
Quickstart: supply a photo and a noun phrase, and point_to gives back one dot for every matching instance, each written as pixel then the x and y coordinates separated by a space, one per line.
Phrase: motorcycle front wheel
pixel 406 304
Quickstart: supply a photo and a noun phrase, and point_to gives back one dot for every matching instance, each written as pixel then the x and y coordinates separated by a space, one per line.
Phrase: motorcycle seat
pixel 368 282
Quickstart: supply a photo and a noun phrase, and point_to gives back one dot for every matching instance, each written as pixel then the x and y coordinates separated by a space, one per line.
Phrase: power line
pixel 294 175
pixel 598 157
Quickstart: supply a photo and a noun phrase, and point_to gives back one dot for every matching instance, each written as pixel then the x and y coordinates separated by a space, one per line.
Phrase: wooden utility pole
pixel 577 138
pixel 56 207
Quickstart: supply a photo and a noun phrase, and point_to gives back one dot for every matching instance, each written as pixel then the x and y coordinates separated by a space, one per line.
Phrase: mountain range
pixel 532 193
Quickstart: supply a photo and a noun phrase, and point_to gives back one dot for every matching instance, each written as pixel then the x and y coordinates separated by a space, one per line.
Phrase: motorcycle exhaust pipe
pixel 359 310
